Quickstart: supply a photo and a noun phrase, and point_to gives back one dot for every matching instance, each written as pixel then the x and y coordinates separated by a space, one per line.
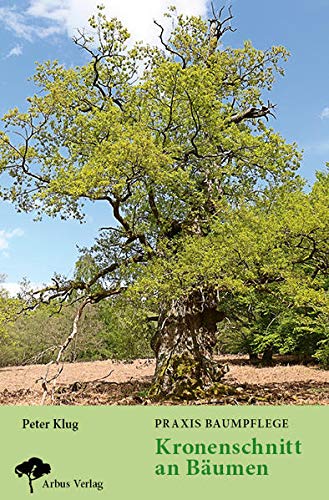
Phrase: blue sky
pixel 37 30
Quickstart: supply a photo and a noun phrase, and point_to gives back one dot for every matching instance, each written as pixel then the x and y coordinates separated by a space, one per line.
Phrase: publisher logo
pixel 33 469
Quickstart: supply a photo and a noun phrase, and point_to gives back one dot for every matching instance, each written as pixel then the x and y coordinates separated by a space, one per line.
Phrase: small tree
pixel 172 140
pixel 34 468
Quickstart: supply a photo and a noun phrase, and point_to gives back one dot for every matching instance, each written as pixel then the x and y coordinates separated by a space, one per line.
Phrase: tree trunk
pixel 267 357
pixel 30 484
pixel 253 358
pixel 183 345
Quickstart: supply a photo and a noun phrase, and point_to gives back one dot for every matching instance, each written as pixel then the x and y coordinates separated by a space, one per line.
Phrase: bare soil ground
pixel 109 382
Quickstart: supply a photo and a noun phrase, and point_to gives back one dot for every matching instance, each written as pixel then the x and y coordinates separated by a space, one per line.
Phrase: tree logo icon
pixel 34 468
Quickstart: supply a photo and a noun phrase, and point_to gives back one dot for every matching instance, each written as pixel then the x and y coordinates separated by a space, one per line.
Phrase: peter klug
pixel 56 423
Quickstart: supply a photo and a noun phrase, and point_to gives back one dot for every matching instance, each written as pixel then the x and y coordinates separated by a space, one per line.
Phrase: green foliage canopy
pixel 161 135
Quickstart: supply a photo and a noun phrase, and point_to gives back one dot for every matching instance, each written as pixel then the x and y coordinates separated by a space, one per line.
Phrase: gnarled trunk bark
pixel 183 344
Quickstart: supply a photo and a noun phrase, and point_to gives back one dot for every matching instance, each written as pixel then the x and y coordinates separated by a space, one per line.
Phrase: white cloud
pixel 65 16
pixel 15 21
pixel 12 288
pixel 6 236
pixel 325 113
pixel 15 51
pixel 20 24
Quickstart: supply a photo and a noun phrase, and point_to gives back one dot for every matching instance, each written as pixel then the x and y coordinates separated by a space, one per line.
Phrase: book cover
pixel 164 249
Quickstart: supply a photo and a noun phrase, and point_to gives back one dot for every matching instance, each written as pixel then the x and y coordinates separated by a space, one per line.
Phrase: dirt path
pixel 21 384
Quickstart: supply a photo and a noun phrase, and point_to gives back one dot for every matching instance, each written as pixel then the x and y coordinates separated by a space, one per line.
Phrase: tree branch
pixel 250 113
pixel 61 351
pixel 168 48
pixel 218 27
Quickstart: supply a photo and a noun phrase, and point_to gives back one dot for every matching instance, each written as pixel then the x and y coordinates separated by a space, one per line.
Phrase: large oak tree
pixel 175 141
